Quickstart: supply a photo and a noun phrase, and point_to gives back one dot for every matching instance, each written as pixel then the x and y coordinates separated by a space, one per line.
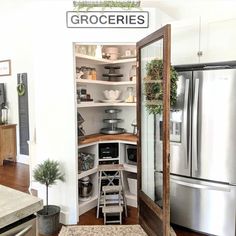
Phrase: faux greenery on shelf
pixel 87 5
pixel 153 89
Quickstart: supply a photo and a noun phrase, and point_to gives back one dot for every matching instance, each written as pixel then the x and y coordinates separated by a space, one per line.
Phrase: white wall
pixel 35 37
pixel 55 92
pixel 15 45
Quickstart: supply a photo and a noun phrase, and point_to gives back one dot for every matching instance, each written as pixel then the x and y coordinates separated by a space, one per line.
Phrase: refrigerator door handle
pixel 201 186
pixel 185 122
pixel 195 126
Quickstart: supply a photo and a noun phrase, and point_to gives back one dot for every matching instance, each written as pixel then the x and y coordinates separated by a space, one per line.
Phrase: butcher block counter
pixel 16 205
pixel 126 137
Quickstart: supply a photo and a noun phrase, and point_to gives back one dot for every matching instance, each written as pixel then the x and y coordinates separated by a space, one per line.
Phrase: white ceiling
pixel 182 9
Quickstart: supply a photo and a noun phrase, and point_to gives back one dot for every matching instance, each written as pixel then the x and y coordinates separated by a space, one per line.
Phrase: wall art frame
pixel 5 67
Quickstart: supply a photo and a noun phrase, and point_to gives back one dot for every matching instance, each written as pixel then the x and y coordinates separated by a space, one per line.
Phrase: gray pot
pixel 49 223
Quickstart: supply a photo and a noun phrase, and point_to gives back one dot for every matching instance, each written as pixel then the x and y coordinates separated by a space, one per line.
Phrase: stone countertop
pixel 16 205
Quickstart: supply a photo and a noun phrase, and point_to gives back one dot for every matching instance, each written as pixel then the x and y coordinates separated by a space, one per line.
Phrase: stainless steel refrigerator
pixel 203 150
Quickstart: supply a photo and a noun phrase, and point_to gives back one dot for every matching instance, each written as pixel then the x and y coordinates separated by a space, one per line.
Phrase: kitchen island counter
pixel 16 205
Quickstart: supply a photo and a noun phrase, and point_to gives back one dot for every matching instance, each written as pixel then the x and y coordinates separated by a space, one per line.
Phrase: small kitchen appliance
pixel 85 188
pixel 108 150
pixel 131 154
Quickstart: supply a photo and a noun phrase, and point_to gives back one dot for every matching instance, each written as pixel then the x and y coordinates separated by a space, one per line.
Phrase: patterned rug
pixel 103 230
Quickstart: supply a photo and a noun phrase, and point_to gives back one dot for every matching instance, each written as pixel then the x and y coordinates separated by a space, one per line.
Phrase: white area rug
pixel 103 230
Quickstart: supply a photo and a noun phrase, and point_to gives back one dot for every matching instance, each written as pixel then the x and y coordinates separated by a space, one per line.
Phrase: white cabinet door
pixel 185 42
pixel 221 41
pixel 216 40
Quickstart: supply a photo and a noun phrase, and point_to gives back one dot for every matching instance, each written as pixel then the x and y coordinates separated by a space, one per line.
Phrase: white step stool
pixel 109 205
pixel 114 208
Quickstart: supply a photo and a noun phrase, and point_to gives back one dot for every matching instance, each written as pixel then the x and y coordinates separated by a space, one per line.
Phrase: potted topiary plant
pixel 48 173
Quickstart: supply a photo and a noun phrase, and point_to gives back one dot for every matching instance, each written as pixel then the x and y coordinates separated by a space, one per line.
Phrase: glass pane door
pixel 153 114
pixel 152 101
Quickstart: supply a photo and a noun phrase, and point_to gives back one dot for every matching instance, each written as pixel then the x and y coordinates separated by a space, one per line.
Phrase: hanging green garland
pixel 87 5
pixel 153 89
pixel 21 89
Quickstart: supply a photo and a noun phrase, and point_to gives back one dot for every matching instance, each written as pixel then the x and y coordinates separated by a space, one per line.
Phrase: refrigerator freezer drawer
pixel 203 206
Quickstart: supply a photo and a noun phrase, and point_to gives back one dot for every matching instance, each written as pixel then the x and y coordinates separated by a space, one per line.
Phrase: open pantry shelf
pixel 104 61
pixel 102 82
pixel 86 173
pixel 106 104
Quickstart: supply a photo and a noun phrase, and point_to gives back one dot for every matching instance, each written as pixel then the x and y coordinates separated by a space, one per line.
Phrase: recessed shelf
pixel 83 203
pixel 87 172
pixel 85 206
pixel 130 168
pixel 109 159
pixel 130 195
pixel 105 61
pixel 103 82
pixel 104 104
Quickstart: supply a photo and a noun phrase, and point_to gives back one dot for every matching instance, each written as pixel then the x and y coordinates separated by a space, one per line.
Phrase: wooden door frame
pixel 164 213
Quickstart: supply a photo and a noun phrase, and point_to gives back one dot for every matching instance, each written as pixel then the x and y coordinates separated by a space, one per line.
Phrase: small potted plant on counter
pixel 48 173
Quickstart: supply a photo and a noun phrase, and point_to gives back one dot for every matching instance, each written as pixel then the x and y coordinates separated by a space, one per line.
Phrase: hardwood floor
pixel 89 218
pixel 17 176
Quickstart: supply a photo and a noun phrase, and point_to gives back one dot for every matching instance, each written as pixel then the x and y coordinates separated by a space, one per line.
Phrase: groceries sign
pixel 107 19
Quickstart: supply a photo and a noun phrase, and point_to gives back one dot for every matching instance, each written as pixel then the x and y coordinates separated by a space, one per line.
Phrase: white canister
pixel 98 52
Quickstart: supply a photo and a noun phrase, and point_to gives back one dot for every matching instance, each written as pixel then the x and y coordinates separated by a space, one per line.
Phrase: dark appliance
pixel 108 150
pixel 131 154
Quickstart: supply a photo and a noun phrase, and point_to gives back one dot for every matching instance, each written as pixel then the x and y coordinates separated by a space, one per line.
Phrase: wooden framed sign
pixel 5 67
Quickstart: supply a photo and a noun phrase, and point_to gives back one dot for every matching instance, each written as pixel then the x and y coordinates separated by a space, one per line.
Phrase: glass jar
pixel 89 73
pixel 84 72
pixel 4 115
pixel 130 97
pixel 82 50
pixel 94 74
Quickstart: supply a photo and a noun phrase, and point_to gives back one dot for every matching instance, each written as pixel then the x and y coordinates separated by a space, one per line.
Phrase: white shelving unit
pixel 93 114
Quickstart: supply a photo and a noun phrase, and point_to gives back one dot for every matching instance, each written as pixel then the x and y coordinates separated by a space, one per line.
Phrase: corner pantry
pixel 105 78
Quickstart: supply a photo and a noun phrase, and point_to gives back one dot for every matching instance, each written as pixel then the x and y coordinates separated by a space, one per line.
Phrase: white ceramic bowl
pixel 111 94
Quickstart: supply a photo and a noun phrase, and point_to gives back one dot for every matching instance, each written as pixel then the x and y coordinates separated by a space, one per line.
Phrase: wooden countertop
pixel 108 137
pixel 16 205
pixel 6 125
